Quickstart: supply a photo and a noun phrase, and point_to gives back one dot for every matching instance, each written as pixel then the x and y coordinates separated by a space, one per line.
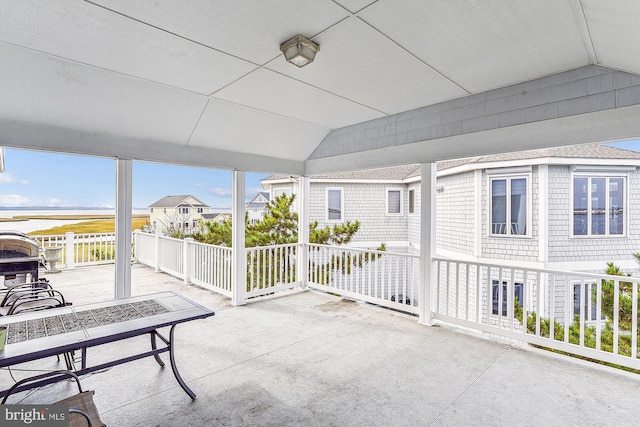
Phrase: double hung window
pixel 394 201
pixel 412 201
pixel 509 206
pixel 334 204
pixel 599 205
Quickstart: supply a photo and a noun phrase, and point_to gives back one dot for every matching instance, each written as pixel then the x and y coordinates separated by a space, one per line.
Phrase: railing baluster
pixel 634 320
pixel 616 315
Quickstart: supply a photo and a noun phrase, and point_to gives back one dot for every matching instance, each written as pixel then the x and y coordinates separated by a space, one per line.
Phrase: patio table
pixel 36 335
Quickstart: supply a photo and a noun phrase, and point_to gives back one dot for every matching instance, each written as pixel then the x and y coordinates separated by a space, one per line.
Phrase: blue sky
pixel 34 178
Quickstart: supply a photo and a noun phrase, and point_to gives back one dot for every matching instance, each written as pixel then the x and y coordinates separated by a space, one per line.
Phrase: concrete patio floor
pixel 307 358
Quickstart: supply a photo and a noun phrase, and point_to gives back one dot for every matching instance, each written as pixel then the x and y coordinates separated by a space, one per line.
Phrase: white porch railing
pixel 271 269
pixel 210 266
pixel 81 249
pixel 591 315
pixel 384 278
pixel 194 262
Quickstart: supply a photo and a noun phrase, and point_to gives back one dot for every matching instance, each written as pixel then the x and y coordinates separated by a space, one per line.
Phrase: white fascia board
pixel 289 180
pixel 357 181
pixel 30 136
pixel 607 164
pixel 412 180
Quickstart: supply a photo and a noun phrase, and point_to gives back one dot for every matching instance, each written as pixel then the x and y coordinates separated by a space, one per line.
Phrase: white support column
pixel 123 228
pixel 427 242
pixel 303 230
pixel 239 258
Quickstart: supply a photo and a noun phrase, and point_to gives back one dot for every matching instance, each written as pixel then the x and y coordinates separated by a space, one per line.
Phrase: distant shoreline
pixel 65 217
pixel 58 208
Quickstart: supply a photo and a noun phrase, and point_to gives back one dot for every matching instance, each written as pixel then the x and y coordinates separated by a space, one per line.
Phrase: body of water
pixel 44 224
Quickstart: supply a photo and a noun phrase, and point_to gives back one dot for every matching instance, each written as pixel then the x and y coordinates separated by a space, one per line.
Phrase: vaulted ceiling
pixel 204 82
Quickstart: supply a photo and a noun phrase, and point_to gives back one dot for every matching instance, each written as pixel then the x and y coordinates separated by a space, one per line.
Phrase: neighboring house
pixel 218 217
pixel 257 206
pixel 571 207
pixel 177 213
pixel 376 198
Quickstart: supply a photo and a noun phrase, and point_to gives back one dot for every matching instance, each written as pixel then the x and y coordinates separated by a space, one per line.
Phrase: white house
pixel 256 207
pixel 563 208
pixel 177 213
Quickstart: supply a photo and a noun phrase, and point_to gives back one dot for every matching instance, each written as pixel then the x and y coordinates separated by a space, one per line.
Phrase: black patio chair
pixel 81 404
pixel 31 297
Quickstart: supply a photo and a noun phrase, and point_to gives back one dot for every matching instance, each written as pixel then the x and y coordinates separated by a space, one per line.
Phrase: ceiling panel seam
pixel 155 27
pixel 269 112
pixel 435 70
pixel 329 92
pixel 96 67
pixel 197 123
pixel 583 24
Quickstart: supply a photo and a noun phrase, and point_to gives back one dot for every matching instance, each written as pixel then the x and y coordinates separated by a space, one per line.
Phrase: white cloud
pixel 13 200
pixel 221 192
pixel 253 191
pixel 7 178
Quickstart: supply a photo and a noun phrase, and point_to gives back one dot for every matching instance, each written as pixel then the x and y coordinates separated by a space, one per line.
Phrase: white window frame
pixel 387 191
pixel 607 176
pixel 182 210
pixel 200 210
pixel 341 190
pixel 529 212
pixel 411 197
pixel 496 292
pixel 584 302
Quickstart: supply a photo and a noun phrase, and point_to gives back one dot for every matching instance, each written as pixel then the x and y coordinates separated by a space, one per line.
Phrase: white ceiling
pixel 208 76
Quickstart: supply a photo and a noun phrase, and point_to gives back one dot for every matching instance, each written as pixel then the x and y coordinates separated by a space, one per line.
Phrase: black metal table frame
pixel 92 342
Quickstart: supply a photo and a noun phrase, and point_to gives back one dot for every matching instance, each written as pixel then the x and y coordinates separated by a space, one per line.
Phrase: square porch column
pixel 302 259
pixel 123 228
pixel 238 252
pixel 427 242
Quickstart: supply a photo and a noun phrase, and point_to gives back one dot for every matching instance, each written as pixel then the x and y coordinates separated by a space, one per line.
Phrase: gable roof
pixel 174 201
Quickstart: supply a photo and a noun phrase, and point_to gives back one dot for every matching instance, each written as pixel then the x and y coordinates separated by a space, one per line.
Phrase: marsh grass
pixel 103 225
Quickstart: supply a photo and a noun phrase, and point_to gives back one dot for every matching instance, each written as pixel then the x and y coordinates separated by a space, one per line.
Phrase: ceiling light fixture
pixel 299 50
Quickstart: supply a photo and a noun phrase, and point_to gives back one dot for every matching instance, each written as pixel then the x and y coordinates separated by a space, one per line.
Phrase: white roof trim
pixel 607 163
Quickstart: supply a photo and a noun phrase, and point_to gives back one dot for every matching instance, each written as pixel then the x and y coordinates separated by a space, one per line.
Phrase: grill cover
pixel 19 258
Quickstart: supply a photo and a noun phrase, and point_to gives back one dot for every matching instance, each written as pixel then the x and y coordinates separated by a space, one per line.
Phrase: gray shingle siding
pixel 455 215
pixel 364 202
